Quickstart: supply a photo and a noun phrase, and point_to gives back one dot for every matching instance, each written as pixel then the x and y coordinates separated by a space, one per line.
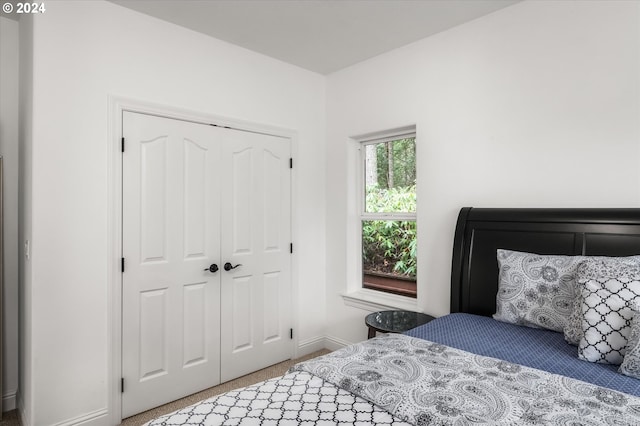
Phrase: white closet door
pixel 195 195
pixel 256 234
pixel 171 226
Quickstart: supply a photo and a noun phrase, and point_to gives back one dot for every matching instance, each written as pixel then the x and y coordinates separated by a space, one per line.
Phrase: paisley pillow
pixel 573 328
pixel 536 290
pixel 631 363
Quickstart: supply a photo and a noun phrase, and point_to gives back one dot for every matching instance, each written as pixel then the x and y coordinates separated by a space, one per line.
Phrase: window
pixel 388 215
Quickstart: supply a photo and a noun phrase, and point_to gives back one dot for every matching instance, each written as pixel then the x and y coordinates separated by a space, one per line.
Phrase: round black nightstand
pixel 394 321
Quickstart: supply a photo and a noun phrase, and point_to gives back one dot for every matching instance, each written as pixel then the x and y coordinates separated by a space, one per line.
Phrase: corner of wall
pixel 25 387
pixel 23 415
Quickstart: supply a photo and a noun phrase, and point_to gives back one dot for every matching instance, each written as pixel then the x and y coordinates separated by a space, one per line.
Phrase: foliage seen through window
pixel 389 244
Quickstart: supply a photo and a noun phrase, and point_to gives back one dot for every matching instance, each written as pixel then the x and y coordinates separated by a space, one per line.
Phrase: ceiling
pixel 319 35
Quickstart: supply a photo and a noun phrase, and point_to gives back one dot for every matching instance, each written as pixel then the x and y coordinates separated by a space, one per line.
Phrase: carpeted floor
pixel 258 376
pixel 10 418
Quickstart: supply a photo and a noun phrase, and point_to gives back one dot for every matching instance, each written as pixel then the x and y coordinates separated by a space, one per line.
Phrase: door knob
pixel 227 266
pixel 212 268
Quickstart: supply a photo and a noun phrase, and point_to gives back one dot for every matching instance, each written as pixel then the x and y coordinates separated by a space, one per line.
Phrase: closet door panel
pixel 255 240
pixel 171 235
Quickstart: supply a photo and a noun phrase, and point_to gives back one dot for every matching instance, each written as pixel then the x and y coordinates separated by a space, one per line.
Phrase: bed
pixel 468 368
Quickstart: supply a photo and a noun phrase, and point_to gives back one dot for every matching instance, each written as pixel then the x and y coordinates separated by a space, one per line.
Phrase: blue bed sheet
pixel 536 348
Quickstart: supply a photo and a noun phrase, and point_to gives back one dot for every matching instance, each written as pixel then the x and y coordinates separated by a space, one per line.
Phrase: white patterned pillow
pixel 631 363
pixel 609 289
pixel 535 290
pixel 573 328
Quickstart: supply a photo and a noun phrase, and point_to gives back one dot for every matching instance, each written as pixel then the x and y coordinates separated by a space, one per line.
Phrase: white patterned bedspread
pixel 395 379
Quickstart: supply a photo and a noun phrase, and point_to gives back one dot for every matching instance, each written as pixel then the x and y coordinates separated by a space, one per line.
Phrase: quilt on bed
pixel 426 383
pixel 396 379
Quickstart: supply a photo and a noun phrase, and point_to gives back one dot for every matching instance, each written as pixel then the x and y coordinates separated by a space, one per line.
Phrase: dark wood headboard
pixel 480 232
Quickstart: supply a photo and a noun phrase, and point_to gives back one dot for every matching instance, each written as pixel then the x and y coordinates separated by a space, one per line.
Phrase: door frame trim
pixel 117 105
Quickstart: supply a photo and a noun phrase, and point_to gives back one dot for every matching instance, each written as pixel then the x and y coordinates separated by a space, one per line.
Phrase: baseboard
pixel 305 347
pixel 334 343
pixel 9 400
pixel 95 418
pixel 317 343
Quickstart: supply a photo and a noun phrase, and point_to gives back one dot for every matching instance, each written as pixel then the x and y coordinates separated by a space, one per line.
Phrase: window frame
pixel 357 295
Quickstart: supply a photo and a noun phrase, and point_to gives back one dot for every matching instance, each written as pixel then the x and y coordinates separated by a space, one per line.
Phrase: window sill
pixel 374 301
pixel 390 284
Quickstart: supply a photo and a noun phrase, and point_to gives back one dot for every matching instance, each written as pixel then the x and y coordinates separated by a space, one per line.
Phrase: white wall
pixel 9 150
pixel 25 135
pixel 536 105
pixel 82 53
